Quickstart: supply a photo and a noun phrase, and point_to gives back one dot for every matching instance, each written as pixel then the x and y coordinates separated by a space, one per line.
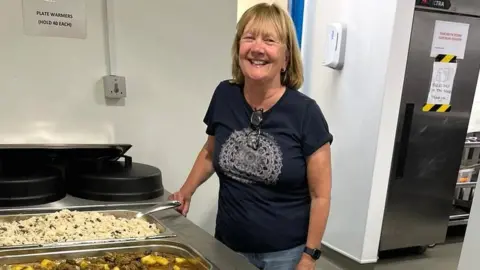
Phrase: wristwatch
pixel 313 252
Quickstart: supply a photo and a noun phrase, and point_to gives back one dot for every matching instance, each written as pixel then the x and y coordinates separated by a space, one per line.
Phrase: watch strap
pixel 313 252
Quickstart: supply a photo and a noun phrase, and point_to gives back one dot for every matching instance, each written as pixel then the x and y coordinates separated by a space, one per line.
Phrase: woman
pixel 270 147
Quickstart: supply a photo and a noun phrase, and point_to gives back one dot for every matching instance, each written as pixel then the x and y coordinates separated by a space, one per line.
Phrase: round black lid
pixel 116 181
pixel 31 188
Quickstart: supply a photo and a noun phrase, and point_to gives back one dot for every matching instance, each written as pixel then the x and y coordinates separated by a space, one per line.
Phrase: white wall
pixel 243 5
pixel 471 244
pixel 173 54
pixel 361 105
pixel 474 123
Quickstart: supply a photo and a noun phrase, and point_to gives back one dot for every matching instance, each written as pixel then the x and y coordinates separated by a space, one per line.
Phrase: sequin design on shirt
pixel 244 164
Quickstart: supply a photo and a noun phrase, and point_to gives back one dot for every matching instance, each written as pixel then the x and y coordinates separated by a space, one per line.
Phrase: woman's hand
pixel 306 263
pixel 184 199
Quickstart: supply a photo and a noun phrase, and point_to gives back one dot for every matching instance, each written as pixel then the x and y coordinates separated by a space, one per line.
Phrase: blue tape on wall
pixel 296 11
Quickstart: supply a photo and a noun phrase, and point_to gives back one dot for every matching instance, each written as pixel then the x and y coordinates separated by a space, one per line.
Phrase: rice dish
pixel 66 225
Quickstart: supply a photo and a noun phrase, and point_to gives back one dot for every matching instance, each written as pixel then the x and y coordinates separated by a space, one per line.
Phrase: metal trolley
pixel 466 182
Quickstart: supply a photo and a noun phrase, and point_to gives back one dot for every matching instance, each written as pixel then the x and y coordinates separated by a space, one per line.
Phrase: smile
pixel 258 63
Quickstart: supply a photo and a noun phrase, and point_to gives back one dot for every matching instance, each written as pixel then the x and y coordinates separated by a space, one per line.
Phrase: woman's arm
pixel 319 181
pixel 202 169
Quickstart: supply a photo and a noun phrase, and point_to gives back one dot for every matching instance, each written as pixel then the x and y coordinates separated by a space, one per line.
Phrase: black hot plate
pixel 31 184
pixel 107 180
pixel 65 151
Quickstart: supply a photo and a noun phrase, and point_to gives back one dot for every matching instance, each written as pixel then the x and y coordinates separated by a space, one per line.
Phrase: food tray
pixel 9 258
pixel 129 214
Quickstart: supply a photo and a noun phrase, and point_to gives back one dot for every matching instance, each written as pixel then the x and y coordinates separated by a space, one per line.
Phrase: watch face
pixel 316 253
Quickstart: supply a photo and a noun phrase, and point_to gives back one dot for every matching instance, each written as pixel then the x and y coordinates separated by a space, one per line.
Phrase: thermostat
pixel 335 45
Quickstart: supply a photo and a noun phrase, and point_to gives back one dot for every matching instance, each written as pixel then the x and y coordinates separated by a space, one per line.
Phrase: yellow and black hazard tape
pixel 446 58
pixel 436 108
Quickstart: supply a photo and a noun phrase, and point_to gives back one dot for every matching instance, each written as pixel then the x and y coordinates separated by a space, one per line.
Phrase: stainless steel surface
pixel 462 7
pixel 187 232
pixel 159 207
pixel 127 214
pixel 83 251
pixel 458 222
pixel 473 144
pixel 466 185
pixel 467 7
pixel 471 155
pixel 428 145
pixel 461 216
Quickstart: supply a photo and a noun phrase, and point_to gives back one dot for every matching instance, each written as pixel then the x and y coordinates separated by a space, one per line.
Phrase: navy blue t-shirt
pixel 264 201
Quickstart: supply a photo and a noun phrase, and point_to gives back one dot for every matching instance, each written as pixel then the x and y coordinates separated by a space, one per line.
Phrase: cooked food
pixel 69 225
pixel 117 261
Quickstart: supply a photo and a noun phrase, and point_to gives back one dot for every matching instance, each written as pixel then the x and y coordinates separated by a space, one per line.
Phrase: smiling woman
pixel 267 33
pixel 270 147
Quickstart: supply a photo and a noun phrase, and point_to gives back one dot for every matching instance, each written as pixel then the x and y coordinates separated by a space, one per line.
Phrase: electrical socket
pixel 114 86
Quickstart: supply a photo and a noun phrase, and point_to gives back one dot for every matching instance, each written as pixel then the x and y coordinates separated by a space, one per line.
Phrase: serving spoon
pixel 159 207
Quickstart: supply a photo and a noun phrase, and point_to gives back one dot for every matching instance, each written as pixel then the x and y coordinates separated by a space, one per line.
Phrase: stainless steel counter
pixel 217 253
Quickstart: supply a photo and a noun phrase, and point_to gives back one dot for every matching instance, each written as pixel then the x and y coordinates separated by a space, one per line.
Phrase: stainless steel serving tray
pixel 129 214
pixel 8 258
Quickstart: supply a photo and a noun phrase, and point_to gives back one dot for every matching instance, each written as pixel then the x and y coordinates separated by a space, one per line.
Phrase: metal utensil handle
pixel 162 206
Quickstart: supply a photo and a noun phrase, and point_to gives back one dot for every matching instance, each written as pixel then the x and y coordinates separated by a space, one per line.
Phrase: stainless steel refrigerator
pixel 440 81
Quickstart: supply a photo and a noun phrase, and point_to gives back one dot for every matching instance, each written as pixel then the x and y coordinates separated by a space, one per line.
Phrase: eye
pixel 247 38
pixel 270 41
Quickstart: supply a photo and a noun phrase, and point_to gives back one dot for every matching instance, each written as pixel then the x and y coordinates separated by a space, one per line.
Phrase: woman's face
pixel 262 55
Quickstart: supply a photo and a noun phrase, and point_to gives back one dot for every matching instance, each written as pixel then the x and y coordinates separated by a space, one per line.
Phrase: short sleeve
pixel 210 115
pixel 315 131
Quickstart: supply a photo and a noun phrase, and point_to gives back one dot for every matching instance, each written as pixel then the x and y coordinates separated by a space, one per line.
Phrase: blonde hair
pixel 263 14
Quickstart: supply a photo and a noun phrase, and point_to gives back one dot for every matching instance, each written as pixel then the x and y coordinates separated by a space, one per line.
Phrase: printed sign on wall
pixel 450 38
pixel 55 18
pixel 441 85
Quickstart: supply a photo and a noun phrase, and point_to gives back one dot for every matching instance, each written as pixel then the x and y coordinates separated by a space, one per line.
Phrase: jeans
pixel 279 260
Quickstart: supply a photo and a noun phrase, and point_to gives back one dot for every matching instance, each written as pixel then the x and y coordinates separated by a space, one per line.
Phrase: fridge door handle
pixel 404 139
